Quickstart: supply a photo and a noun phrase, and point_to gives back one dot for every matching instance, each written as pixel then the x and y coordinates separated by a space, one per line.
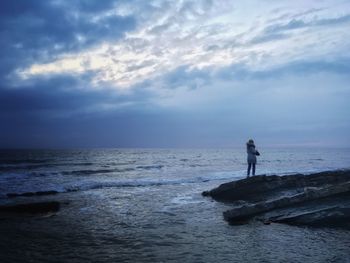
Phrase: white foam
pixel 38 185
pixel 87 185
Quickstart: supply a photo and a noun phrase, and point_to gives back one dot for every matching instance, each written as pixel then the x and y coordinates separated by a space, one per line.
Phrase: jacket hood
pixel 250 144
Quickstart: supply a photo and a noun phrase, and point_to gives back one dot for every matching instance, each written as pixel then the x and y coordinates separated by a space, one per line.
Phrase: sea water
pixel 145 205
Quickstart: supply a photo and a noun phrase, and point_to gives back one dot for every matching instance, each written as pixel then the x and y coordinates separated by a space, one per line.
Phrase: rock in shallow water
pixel 30 208
pixel 250 210
pixel 30 194
pixel 330 216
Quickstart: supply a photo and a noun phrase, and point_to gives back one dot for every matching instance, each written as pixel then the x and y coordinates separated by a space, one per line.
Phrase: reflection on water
pixel 156 225
pixel 160 215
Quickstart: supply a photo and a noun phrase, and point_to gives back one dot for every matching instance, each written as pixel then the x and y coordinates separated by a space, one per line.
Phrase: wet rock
pixel 30 208
pixel 30 194
pixel 267 222
pixel 239 190
pixel 318 199
pixel 260 187
pixel 250 210
pixel 330 216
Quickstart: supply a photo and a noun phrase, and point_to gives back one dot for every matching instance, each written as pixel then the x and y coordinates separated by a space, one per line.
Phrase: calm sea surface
pixel 145 205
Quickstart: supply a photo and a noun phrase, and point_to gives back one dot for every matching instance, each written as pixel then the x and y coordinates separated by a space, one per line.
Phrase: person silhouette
pixel 251 158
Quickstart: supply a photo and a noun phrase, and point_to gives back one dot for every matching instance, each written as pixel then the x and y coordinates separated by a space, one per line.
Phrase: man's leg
pixel 253 168
pixel 248 171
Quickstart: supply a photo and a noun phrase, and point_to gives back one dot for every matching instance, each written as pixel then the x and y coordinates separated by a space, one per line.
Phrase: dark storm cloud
pixel 33 31
pixel 45 109
pixel 58 93
pixel 44 94
pixel 58 112
pixel 133 128
pixel 62 94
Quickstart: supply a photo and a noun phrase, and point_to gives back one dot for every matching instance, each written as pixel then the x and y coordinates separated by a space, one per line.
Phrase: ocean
pixel 145 205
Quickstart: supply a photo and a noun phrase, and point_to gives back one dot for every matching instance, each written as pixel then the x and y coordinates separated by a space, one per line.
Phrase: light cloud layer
pixel 202 34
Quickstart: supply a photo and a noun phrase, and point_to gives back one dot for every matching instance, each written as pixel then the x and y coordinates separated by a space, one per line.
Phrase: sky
pixel 177 73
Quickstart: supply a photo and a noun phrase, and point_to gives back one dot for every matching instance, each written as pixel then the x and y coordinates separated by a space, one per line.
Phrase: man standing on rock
pixel 252 153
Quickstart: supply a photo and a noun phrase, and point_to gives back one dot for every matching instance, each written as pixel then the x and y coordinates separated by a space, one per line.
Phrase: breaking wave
pixel 95 184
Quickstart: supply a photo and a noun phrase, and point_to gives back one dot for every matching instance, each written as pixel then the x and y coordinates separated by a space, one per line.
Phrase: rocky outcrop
pixel 30 208
pixel 259 187
pixel 30 194
pixel 249 210
pixel 331 216
pixel 317 199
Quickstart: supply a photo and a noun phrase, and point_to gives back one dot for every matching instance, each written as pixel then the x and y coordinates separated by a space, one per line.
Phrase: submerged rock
pixel 293 198
pixel 30 208
pixel 29 194
pixel 330 216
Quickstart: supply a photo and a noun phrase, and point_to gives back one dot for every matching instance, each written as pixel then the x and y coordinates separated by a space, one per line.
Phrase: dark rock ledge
pixel 30 194
pixel 29 209
pixel 320 199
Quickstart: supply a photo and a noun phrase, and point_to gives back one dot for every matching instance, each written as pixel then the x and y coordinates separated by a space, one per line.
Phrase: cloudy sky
pixel 177 73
